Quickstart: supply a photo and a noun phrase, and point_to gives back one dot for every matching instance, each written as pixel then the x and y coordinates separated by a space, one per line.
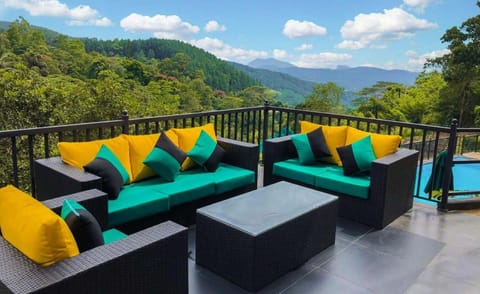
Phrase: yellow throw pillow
pixel 34 229
pixel 187 138
pixel 335 136
pixel 382 144
pixel 79 154
pixel 307 127
pixel 140 146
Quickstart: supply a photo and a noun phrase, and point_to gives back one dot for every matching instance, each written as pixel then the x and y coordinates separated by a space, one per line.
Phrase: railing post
pixel 266 108
pixel 452 146
pixel 126 123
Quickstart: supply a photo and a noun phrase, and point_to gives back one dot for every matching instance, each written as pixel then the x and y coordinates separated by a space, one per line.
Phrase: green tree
pixel 17 35
pixel 325 97
pixel 256 96
pixel 161 98
pixel 418 103
pixel 380 101
pixel 461 70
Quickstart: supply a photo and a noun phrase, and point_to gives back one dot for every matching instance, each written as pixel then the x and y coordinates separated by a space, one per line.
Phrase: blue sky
pixel 391 34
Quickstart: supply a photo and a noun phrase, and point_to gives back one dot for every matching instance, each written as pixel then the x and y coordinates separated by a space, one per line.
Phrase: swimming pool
pixel 465 177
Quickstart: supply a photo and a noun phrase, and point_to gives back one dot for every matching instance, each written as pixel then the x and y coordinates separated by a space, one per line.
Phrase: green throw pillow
pixel 82 224
pixel 357 157
pixel 165 159
pixel 311 146
pixel 206 152
pixel 107 166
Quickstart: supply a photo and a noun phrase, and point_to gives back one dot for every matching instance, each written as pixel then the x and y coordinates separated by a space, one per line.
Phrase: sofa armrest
pixel 95 201
pixel 275 150
pixel 54 178
pixel 393 181
pixel 240 153
pixel 154 260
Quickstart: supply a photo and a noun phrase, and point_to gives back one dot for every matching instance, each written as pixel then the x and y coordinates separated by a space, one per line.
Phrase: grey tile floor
pixel 423 251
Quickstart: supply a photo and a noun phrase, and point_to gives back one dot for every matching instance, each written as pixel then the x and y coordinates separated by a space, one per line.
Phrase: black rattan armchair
pixel 153 260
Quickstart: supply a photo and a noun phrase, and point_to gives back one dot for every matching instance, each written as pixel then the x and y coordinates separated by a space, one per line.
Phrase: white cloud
pixel 227 52
pixel 416 61
pixel 214 26
pixel 280 54
pixel 411 53
pixel 102 22
pixel 304 47
pixel 322 60
pixel 392 24
pixel 350 44
pixel 419 5
pixel 79 15
pixel 298 29
pixel 162 26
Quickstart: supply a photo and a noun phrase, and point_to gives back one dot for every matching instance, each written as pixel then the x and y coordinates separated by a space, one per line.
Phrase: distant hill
pixel 218 73
pixel 290 89
pixel 351 78
pixel 269 63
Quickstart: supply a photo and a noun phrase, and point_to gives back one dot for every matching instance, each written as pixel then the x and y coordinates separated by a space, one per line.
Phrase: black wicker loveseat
pixel 54 178
pixel 154 260
pixel 390 193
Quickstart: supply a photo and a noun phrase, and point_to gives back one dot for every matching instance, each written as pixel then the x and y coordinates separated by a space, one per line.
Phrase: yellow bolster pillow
pixel 34 229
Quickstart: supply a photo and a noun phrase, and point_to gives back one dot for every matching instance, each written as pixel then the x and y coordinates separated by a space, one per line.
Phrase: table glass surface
pixel 263 209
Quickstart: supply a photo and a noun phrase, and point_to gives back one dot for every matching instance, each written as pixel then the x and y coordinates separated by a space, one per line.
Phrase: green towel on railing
pixel 435 181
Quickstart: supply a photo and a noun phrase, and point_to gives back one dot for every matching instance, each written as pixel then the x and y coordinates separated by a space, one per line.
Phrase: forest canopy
pixel 52 79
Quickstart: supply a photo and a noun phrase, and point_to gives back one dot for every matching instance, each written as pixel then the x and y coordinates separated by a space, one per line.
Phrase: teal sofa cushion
pixel 135 201
pixel 333 179
pixel 188 186
pixel 324 176
pixel 155 195
pixel 228 177
pixel 293 169
pixel 113 235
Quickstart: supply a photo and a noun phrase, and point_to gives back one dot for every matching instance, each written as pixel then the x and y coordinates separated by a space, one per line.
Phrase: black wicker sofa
pixel 390 191
pixel 154 260
pixel 54 178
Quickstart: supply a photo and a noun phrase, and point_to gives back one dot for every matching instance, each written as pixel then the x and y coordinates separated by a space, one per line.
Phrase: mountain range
pixel 350 78
pixel 293 83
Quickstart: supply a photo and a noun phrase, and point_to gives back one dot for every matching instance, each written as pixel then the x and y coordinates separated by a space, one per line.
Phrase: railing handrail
pixel 368 119
pixel 118 122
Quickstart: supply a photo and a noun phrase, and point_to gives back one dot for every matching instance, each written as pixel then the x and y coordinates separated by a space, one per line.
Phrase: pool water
pixel 465 177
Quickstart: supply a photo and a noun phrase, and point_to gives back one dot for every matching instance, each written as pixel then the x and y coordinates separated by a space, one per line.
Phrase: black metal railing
pixel 254 124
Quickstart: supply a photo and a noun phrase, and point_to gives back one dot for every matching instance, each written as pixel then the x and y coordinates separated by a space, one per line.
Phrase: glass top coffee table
pixel 256 237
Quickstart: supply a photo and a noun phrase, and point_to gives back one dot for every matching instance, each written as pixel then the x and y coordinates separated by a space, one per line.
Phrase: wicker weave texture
pixel 151 261
pixel 253 261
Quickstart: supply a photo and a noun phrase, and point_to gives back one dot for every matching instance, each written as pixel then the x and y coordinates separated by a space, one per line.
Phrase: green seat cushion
pixel 334 179
pixel 324 176
pixel 228 177
pixel 113 235
pixel 293 169
pixel 188 186
pixel 137 200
